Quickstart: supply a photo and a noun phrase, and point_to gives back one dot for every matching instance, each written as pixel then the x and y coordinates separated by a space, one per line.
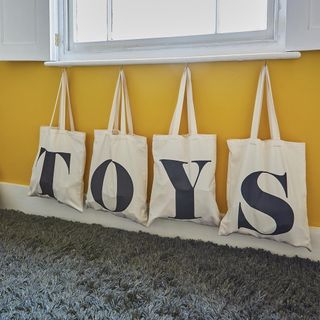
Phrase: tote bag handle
pixel 273 122
pixel 63 92
pixel 186 83
pixel 121 102
pixel 114 113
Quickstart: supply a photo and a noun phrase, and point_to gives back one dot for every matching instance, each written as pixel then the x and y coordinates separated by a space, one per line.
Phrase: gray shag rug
pixel 54 269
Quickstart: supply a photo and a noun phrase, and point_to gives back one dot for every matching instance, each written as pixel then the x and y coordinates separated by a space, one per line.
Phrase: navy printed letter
pixel 266 203
pixel 124 186
pixel 46 179
pixel 183 187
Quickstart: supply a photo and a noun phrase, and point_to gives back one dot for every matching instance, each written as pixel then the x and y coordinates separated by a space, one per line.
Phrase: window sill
pixel 166 60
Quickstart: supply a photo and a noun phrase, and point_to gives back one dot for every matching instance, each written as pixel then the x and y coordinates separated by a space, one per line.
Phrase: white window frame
pixel 177 49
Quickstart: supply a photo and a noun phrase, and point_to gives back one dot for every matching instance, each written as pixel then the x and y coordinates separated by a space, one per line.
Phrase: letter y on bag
pixel 184 168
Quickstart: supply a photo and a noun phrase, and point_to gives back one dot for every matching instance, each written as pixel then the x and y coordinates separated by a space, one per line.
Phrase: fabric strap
pixel 273 122
pixel 121 104
pixel 186 83
pixel 63 93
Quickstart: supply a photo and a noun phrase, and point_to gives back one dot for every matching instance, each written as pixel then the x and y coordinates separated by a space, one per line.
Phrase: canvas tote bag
pixel 59 165
pixel 184 169
pixel 118 172
pixel 266 186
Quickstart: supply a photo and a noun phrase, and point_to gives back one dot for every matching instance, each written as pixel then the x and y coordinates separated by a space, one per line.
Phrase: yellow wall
pixel 223 93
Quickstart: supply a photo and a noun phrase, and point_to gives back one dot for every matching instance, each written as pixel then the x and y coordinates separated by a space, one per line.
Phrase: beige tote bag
pixel 266 186
pixel 59 165
pixel 184 168
pixel 118 172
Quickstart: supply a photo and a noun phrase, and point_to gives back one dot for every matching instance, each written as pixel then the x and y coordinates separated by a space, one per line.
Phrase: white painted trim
pixel 54 29
pixel 13 196
pixel 19 43
pixel 190 59
pixel 303 25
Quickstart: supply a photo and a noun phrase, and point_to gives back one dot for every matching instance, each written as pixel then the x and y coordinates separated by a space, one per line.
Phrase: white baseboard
pixel 13 196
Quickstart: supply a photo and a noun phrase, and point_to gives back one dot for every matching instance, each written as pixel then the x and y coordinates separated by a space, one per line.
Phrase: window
pixel 147 19
pixel 70 32
pixel 155 29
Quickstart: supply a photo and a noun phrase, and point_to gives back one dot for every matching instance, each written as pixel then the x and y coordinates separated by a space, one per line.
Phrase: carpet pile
pixel 54 269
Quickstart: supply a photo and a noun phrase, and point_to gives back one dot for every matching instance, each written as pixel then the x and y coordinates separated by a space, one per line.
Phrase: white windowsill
pixel 191 59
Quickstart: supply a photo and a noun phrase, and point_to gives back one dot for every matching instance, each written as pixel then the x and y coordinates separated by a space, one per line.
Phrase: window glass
pixel 241 15
pixel 90 20
pixel 139 19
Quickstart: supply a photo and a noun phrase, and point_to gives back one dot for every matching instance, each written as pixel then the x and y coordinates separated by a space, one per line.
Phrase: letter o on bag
pixel 124 186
